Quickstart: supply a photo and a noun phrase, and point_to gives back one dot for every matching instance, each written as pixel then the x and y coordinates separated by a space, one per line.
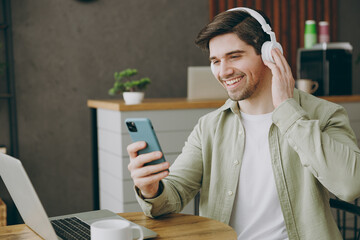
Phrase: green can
pixel 310 33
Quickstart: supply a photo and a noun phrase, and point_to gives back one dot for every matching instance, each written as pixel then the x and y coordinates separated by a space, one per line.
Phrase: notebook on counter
pixel 73 226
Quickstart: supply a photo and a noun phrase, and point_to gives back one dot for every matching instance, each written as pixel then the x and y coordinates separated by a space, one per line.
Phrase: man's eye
pixel 215 61
pixel 234 56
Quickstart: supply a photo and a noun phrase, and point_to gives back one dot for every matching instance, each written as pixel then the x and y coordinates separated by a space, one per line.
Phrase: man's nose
pixel 226 70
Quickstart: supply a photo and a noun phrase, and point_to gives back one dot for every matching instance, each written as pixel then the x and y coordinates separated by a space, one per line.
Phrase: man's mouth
pixel 233 81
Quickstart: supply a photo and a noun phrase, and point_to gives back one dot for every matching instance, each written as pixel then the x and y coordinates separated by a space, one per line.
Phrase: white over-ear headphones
pixel 268 45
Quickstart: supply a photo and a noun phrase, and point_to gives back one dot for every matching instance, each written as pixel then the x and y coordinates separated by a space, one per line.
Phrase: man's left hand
pixel 283 82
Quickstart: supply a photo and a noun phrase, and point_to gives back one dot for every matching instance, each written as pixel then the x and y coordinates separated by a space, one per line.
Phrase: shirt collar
pixel 230 105
pixel 234 106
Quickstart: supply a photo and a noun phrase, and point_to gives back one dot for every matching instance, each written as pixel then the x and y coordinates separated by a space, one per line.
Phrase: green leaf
pixel 120 85
pixel 112 92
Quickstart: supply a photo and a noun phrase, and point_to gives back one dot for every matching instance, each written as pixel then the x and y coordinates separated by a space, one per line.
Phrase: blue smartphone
pixel 141 129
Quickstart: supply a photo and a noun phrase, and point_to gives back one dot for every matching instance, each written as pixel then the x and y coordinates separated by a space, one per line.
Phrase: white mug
pixel 307 85
pixel 113 229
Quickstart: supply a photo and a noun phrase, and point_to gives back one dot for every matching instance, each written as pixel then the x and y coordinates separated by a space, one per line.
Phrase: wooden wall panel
pixel 267 8
pixel 258 4
pixel 294 35
pixel 284 29
pixel 276 17
pixel 326 7
pixel 333 20
pixel 240 3
pixel 288 19
pixel 302 19
pixel 319 10
pixel 212 8
pixel 231 4
pixel 310 7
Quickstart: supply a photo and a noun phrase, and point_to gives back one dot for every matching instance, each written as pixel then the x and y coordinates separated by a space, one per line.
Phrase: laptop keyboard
pixel 71 228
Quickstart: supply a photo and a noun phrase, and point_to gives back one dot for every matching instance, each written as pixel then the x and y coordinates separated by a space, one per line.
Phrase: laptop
pixel 31 210
pixel 201 84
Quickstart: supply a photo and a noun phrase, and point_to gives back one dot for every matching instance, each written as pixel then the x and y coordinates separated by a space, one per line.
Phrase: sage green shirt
pixel 313 151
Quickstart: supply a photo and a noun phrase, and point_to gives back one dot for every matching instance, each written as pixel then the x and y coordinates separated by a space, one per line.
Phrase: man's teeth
pixel 231 82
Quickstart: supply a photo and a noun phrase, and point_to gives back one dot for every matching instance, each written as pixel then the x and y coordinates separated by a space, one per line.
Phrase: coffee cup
pixel 113 229
pixel 307 85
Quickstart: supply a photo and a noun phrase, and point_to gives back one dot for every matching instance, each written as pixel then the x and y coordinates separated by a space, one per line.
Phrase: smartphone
pixel 141 129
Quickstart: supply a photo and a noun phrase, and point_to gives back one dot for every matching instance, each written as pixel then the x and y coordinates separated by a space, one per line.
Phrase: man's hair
pixel 247 28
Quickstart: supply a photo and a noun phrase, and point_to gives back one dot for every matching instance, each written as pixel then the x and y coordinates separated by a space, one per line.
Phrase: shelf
pixel 156 104
pixel 183 103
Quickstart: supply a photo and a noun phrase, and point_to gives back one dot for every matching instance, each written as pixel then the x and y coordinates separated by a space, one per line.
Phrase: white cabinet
pixel 115 184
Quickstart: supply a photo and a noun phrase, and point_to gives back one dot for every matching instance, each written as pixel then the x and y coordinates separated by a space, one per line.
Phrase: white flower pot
pixel 131 98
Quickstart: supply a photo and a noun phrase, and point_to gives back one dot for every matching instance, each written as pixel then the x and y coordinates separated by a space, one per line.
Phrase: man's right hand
pixel 146 178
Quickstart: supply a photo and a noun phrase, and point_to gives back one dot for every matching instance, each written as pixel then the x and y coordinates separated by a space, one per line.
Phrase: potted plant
pixel 133 90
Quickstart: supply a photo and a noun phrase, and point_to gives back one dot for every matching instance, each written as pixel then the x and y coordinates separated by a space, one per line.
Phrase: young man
pixel 266 159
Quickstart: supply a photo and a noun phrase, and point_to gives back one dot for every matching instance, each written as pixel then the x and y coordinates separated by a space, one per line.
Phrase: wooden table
pixel 173 226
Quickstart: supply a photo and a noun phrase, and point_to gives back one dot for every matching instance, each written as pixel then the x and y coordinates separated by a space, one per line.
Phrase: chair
pixel 347 217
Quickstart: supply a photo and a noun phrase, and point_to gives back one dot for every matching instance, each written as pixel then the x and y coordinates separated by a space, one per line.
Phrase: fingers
pixel 148 180
pixel 284 68
pixel 141 159
pixel 281 67
pixel 272 66
pixel 137 162
pixel 137 168
pixel 282 79
pixel 133 148
pixel 279 59
pixel 281 62
pixel 275 70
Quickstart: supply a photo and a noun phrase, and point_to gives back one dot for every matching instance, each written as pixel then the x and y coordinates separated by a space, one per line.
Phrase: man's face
pixel 236 66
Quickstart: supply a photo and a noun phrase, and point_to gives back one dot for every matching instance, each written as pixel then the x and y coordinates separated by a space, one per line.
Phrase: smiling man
pixel 241 71
pixel 266 160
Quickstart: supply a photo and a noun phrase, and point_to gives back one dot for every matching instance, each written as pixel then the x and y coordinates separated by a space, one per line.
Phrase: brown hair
pixel 247 28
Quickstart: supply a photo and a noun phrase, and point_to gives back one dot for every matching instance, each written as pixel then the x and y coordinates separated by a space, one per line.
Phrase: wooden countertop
pixel 183 103
pixel 177 226
pixel 155 104
pixel 174 226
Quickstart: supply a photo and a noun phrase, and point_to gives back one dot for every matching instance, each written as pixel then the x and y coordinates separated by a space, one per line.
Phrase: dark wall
pixel 349 19
pixel 66 52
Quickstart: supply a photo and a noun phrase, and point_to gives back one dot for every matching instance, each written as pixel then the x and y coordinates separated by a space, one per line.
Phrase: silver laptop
pixel 28 203
pixel 201 84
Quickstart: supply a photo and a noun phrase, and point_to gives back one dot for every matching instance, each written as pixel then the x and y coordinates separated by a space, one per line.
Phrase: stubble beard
pixel 246 92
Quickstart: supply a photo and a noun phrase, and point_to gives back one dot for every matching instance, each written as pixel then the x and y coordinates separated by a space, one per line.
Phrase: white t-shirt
pixel 257 213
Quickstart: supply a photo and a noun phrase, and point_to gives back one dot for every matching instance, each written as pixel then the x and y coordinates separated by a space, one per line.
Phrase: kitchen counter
pixel 183 103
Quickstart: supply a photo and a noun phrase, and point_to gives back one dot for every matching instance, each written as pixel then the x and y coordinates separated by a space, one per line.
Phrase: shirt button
pixel 230 193
pixel 240 132
pixel 236 162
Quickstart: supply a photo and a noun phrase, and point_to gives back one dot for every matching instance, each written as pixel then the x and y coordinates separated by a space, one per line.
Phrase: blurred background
pixel 66 52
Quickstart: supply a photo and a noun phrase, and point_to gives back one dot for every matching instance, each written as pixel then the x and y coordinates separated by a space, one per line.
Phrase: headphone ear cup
pixel 266 50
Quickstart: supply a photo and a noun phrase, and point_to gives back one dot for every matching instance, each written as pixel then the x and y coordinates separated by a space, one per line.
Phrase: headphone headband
pixel 267 46
pixel 264 25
